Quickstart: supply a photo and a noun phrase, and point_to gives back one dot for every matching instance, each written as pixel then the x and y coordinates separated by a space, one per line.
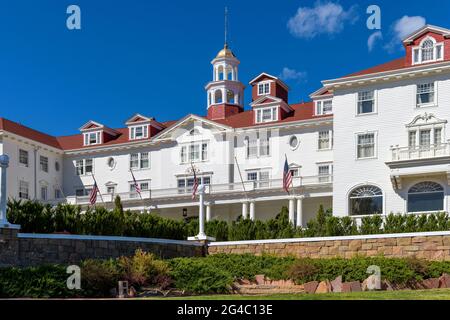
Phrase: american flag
pixel 287 176
pixel 93 194
pixel 136 185
pixel 195 186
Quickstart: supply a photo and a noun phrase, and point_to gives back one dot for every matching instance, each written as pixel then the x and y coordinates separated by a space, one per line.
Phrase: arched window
pixel 221 73
pixel 230 96
pixel 427 50
pixel 366 200
pixel 218 96
pixel 229 73
pixel 425 197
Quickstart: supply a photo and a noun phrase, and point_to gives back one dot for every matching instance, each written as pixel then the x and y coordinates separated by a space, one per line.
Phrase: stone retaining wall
pixel 430 246
pixel 34 249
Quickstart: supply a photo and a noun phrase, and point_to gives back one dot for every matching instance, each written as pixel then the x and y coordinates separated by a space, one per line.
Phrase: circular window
pixel 111 163
pixel 293 142
pixel 57 166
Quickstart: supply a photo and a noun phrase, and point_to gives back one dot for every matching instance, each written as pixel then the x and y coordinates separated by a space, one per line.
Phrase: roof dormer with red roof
pixel 142 127
pixel 426 45
pixel 268 85
pixel 95 133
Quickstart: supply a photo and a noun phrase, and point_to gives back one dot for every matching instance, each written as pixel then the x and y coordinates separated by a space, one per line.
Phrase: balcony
pixel 420 152
pixel 214 189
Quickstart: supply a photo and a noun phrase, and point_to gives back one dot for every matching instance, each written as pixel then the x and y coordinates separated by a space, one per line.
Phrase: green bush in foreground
pixel 211 274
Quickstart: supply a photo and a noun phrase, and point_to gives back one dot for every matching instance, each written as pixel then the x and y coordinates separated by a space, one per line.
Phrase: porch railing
pixel 250 186
pixel 420 152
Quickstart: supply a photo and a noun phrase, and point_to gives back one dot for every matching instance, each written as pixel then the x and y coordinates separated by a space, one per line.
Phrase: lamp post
pixel 4 162
pixel 201 216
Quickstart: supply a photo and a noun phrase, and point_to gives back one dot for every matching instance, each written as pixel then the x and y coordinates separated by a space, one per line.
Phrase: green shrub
pixel 98 277
pixel 198 276
pixel 35 282
pixel 142 269
pixel 302 271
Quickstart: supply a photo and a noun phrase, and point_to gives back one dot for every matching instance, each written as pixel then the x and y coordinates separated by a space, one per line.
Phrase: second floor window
pixel 140 132
pixel 84 167
pixel 425 94
pixel 366 102
pixel 194 152
pixel 258 146
pixel 366 145
pixel 325 140
pixel 23 157
pixel 139 161
pixel 43 163
pixel 262 177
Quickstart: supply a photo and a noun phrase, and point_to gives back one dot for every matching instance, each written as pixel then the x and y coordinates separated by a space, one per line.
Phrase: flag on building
pixel 93 194
pixel 287 176
pixel 195 186
pixel 136 185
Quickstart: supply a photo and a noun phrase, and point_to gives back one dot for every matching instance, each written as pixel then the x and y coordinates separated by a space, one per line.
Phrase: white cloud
pixel 292 74
pixel 373 39
pixel 324 18
pixel 402 28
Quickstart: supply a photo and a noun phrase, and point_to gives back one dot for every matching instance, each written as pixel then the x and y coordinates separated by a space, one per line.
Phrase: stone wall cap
pixel 107 238
pixel 318 239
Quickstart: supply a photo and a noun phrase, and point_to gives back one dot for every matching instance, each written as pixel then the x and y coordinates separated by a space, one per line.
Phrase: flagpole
pixel 134 180
pixel 240 175
pixel 98 189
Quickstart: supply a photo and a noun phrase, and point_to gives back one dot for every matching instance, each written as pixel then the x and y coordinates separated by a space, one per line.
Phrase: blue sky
pixel 153 57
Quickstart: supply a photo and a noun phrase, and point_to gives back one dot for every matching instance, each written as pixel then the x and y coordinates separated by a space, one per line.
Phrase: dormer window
pixel 266 114
pixel 139 132
pixel 263 88
pixel 428 51
pixel 92 138
pixel 324 107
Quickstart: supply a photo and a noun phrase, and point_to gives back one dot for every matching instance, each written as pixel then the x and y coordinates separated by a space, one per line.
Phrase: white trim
pixel 424 29
pixel 103 238
pixel 320 239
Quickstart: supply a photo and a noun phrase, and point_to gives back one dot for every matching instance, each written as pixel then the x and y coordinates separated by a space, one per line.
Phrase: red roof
pixel 302 111
pixel 388 66
pixel 20 130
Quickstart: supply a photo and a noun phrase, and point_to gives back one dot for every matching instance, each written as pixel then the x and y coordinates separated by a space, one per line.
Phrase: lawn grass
pixel 438 294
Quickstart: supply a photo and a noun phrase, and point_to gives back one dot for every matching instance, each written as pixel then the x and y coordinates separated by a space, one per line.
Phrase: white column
pixel 201 213
pixel 252 210
pixel 244 210
pixel 208 212
pixel 299 222
pixel 4 162
pixel 292 210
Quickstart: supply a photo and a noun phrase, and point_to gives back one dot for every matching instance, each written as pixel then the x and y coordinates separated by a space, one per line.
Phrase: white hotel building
pixel 372 142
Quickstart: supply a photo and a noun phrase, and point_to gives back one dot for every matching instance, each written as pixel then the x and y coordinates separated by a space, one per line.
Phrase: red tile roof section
pixel 302 111
pixel 388 66
pixel 21 130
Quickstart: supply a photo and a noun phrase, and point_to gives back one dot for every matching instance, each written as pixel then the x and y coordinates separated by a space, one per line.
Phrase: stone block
pixel 444 281
pixel 324 287
pixel 336 284
pixel 431 283
pixel 353 286
pixel 403 241
pixel 310 287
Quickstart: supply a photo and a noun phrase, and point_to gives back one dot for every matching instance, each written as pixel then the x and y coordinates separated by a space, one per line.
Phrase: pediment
pixel 91 125
pixel 138 118
pixel 187 124
pixel 425 119
pixel 427 29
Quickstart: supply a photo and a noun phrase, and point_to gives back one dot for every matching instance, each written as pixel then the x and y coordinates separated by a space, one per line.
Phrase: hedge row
pixel 211 274
pixel 35 217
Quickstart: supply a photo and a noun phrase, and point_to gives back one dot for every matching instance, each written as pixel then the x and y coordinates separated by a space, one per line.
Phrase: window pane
pixel 424 138
pixel 252 176
pixel 327 107
pixel 145 163
pixel 366 206
pixel 204 151
pixel 366 145
pixel 366 102
pixel 424 202
pixel 88 167
pixel 134 160
pixel 324 140
pixel 437 136
pixel 412 139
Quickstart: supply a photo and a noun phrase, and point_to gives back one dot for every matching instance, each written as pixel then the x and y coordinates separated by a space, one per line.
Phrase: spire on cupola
pixel 225 92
